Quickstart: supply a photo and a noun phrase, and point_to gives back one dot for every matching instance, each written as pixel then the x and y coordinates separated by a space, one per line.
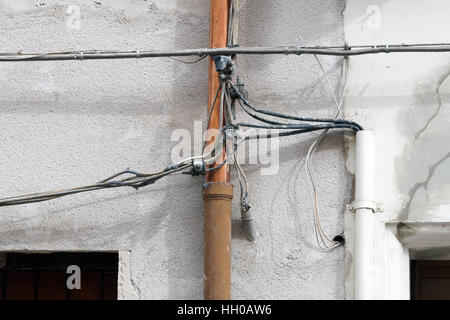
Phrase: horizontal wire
pixel 201 52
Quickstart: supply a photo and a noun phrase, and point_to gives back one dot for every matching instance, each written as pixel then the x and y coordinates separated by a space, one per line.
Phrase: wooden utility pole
pixel 217 191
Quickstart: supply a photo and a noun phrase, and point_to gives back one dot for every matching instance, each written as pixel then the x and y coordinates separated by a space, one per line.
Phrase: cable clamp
pixel 138 54
pixel 78 55
pixel 198 167
pixel 365 204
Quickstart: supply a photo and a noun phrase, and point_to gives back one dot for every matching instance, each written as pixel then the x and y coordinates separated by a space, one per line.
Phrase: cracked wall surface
pixel 72 123
pixel 405 99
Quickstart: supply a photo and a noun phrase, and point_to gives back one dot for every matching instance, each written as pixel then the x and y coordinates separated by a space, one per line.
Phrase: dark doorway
pixel 44 276
pixel 430 280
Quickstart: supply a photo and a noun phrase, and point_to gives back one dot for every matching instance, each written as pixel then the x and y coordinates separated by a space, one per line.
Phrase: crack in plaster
pixel 438 109
pixel 128 287
pixel 418 185
pixel 413 191
pixel 135 286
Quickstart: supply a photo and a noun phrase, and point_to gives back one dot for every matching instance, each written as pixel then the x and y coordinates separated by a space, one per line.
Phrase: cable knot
pixel 225 66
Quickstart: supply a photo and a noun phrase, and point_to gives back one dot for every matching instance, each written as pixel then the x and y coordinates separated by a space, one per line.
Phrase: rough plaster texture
pixel 72 123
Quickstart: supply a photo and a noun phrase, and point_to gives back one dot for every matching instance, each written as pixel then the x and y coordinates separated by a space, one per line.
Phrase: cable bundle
pixel 229 129
pixel 137 180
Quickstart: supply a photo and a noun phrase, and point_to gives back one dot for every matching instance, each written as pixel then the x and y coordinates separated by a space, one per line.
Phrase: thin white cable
pixel 322 239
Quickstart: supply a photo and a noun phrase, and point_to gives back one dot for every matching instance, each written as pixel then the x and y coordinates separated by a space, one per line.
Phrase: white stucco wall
pixel 72 123
pixel 404 99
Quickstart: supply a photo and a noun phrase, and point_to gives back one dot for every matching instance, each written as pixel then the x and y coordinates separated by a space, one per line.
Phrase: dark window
pixel 430 280
pixel 44 276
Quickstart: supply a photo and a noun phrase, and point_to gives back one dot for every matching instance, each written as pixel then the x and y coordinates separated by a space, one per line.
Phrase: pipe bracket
pixel 365 204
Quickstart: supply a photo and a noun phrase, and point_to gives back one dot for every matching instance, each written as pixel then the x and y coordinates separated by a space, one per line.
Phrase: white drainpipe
pixel 364 208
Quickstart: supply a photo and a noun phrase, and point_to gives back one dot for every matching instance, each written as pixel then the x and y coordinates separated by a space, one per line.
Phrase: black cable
pixel 301 126
pixel 289 117
pixel 289 133
pixel 255 116
pixel 281 123
pixel 211 109
pixel 189 62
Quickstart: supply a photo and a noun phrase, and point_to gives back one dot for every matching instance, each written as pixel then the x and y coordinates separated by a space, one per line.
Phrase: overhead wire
pixel 200 52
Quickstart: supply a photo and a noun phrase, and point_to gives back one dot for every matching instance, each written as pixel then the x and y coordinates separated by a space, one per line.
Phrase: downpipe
pixel 364 208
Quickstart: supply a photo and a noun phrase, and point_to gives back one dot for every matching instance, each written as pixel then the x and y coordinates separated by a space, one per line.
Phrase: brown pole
pixel 217 191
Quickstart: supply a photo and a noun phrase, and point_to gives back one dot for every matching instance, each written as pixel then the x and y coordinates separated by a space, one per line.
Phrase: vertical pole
pixel 218 36
pixel 217 191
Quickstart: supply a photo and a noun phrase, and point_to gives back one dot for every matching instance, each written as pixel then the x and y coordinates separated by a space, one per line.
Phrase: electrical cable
pixel 211 109
pixel 284 50
pixel 289 117
pixel 229 122
pixel 188 62
pixel 325 125
pixel 226 103
pixel 324 242
pixel 246 214
pixel 306 128
pixel 137 181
